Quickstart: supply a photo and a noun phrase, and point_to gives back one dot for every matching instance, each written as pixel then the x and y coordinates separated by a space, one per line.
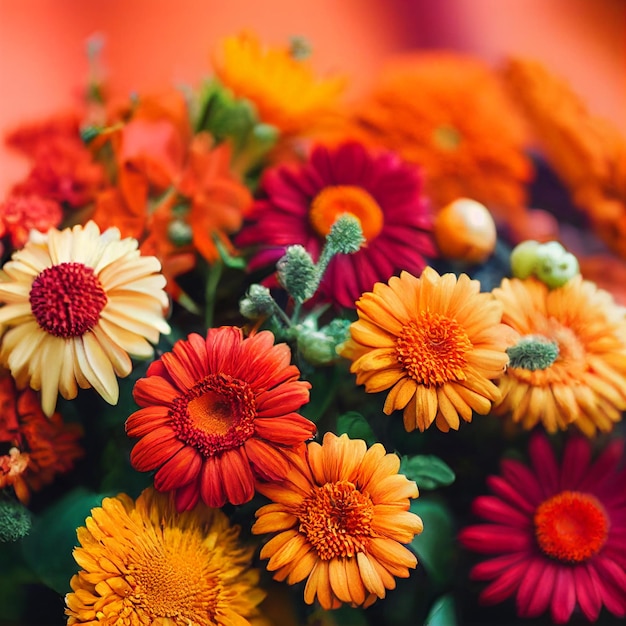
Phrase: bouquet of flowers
pixel 271 355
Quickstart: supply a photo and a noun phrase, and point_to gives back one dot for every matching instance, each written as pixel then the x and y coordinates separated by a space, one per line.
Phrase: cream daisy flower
pixel 77 304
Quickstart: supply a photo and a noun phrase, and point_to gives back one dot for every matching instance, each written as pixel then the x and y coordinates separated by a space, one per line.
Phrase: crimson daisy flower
pixel 299 203
pixel 557 535
pixel 218 413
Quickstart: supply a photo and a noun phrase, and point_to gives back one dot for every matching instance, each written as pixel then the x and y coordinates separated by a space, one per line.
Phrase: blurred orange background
pixel 150 44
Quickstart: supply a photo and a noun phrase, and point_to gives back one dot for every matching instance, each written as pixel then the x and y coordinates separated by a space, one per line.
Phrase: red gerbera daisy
pixel 300 203
pixel 218 413
pixel 558 535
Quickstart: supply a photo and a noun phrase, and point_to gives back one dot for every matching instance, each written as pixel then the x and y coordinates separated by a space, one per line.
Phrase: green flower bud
pixel 15 521
pixel 524 258
pixel 345 236
pixel 317 348
pixel 257 303
pixel 179 232
pixel 300 48
pixel 555 266
pixel 533 352
pixel 297 273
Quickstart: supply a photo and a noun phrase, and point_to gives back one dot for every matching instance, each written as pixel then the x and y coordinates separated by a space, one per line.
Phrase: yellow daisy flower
pixel 143 563
pixel 435 342
pixel 283 88
pixel 77 303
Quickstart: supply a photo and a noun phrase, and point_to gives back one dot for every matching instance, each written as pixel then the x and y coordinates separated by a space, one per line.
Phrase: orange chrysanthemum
pixel 218 413
pixel 143 563
pixel 587 152
pixel 586 381
pixel 283 88
pixel 448 114
pixel 435 342
pixel 39 447
pixel 77 303
pixel 340 518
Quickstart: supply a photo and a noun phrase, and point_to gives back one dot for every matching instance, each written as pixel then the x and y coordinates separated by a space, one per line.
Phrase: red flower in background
pixel 21 213
pixel 300 203
pixel 556 535
pixel 217 414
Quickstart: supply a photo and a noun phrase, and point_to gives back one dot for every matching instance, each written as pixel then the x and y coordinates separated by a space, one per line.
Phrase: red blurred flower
pixel 218 413
pixel 21 213
pixel 301 202
pixel 556 535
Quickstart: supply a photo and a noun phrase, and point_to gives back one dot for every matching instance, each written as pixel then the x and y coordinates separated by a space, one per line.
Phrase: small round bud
pixel 533 353
pixel 257 303
pixel 524 258
pixel 15 521
pixel 297 273
pixel 345 236
pixel 179 232
pixel 555 266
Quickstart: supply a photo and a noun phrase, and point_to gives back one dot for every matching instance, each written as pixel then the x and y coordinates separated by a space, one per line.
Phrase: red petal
pixel 187 497
pixel 154 449
pixel 494 539
pixel 267 461
pixel 212 483
pixel 181 469
pixel 289 430
pixel 564 599
pixel 146 420
pixel 494 510
pixel 238 478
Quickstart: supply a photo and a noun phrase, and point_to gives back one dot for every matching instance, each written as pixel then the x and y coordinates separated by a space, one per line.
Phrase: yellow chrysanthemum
pixel 283 88
pixel 585 380
pixel 77 304
pixel 143 563
pixel 435 342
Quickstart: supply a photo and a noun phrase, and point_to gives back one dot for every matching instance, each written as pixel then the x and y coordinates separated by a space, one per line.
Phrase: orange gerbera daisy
pixel 580 376
pixel 144 563
pixel 435 342
pixel 218 413
pixel 283 87
pixel 77 303
pixel 587 152
pixel 448 114
pixel 340 518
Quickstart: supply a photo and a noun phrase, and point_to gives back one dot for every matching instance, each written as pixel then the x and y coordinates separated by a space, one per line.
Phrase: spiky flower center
pixel 215 415
pixel 533 352
pixel 67 299
pixel 571 526
pixel 337 200
pixel 336 519
pixel 433 348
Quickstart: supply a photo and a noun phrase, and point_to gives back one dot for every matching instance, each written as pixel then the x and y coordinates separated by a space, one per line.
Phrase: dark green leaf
pixel 435 546
pixel 48 548
pixel 356 427
pixel 428 471
pixel 442 612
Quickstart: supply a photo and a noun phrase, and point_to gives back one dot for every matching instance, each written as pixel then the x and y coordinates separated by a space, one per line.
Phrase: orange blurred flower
pixel 21 213
pixel 587 152
pixel 282 87
pixel 449 114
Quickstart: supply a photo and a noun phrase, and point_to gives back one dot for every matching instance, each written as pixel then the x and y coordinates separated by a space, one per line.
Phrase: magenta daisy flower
pixel 299 203
pixel 556 535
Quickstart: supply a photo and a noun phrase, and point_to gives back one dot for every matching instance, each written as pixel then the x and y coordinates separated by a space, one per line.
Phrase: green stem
pixel 213 279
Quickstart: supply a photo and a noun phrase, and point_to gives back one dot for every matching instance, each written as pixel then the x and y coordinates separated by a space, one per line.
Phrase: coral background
pixel 153 43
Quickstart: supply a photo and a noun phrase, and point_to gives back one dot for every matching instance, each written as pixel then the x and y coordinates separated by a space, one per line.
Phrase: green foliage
pixel 435 545
pixel 356 427
pixel 442 613
pixel 428 471
pixel 47 550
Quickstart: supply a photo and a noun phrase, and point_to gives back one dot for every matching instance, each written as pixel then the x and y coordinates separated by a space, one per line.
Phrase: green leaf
pixel 442 613
pixel 356 427
pixel 435 546
pixel 48 548
pixel 428 471
pixel 14 576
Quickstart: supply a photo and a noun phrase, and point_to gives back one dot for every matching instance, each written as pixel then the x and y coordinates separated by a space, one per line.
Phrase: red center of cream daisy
pixel 432 349
pixel 67 299
pixel 571 526
pixel 215 415
pixel 336 519
pixel 334 201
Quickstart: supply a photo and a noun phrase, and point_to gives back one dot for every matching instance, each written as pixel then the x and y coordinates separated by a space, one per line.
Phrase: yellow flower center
pixel 67 299
pixel 571 526
pixel 336 519
pixel 432 349
pixel 334 201
pixel 170 578
pixel 446 137
pixel 215 415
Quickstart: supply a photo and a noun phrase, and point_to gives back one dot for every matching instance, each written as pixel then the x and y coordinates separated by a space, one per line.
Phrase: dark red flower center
pixel 67 299
pixel 336 519
pixel 336 200
pixel 571 526
pixel 215 415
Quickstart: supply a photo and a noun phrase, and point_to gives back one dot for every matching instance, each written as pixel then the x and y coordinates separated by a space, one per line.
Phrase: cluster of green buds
pixel 300 276
pixel 550 262
pixel 15 521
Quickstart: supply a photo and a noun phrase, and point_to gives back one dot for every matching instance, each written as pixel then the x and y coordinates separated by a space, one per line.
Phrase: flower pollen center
pixel 215 415
pixel 433 348
pixel 571 526
pixel 67 299
pixel 336 200
pixel 171 580
pixel 336 519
